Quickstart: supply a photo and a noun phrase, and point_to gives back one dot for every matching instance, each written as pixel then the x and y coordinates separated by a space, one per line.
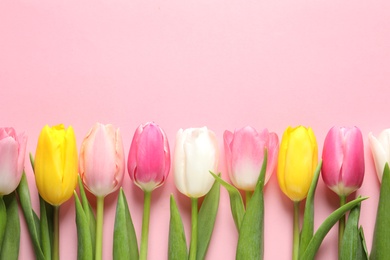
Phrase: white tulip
pixel 380 148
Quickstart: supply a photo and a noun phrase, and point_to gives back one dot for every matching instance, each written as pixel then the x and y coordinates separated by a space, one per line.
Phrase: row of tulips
pixel 251 158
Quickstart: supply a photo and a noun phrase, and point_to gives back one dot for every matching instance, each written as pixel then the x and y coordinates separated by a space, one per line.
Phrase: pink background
pixel 222 63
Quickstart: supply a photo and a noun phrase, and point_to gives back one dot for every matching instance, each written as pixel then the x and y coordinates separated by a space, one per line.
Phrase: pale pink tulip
pixel 149 157
pixel 102 162
pixel 12 153
pixel 244 155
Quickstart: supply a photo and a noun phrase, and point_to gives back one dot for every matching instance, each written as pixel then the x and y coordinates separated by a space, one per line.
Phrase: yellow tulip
pixel 298 157
pixel 56 164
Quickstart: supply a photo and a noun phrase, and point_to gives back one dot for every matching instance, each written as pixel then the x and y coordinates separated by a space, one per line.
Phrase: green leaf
pixel 308 217
pixel 251 235
pixel 329 222
pixel 125 244
pixel 84 240
pixel 363 242
pixel 88 211
pixel 236 204
pixel 11 241
pixel 206 220
pixel 177 246
pixel 351 245
pixel 3 219
pixel 30 216
pixel 45 230
pixel 381 240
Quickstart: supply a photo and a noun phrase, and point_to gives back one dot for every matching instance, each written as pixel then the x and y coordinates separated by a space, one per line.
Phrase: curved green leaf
pixel 90 216
pixel 251 235
pixel 236 204
pixel 381 240
pixel 177 246
pixel 45 230
pixel 206 220
pixel 3 219
pixel 11 241
pixel 84 240
pixel 125 244
pixel 308 217
pixel 329 222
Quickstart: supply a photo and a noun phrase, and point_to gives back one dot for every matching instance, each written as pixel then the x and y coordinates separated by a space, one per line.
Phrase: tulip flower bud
pixel 380 148
pixel 149 157
pixel 343 160
pixel 12 153
pixel 297 162
pixel 196 153
pixel 102 161
pixel 244 154
pixel 56 164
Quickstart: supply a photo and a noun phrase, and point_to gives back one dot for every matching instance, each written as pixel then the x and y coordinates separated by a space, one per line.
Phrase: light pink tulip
pixel 343 160
pixel 102 161
pixel 12 153
pixel 244 154
pixel 149 157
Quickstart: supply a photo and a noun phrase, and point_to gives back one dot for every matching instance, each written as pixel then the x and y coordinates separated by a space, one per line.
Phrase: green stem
pixel 56 237
pixel 296 231
pixel 343 200
pixel 248 196
pixel 145 226
pixel 99 228
pixel 194 228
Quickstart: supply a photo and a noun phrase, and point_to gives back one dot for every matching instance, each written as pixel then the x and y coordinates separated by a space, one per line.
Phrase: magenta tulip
pixel 149 157
pixel 244 154
pixel 343 160
pixel 12 153
pixel 102 161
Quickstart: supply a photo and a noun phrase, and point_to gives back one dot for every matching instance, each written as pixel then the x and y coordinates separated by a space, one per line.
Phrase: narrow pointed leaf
pixel 363 243
pixel 45 230
pixel 236 204
pixel 251 235
pixel 87 208
pixel 177 246
pixel 206 220
pixel 381 241
pixel 84 240
pixel 11 241
pixel 3 220
pixel 308 217
pixel 329 222
pixel 30 216
pixel 351 245
pixel 125 244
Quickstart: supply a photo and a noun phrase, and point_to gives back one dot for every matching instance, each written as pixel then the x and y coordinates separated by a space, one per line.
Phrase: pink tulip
pixel 343 160
pixel 244 154
pixel 149 157
pixel 102 161
pixel 12 153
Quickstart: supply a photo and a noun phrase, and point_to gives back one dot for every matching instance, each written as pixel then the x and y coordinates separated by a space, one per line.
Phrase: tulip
pixel 296 165
pixel 102 160
pixel 12 153
pixel 244 153
pixel 297 161
pixel 56 170
pixel 343 160
pixel 196 154
pixel 102 166
pixel 343 164
pixel 56 164
pixel 380 148
pixel 149 157
pixel 148 165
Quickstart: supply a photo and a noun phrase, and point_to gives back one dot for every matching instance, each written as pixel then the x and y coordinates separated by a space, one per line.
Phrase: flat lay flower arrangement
pixel 63 172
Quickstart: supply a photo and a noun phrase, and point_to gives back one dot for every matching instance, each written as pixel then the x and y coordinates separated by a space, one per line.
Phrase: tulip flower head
pixel 12 153
pixel 343 160
pixel 380 148
pixel 149 159
pixel 196 153
pixel 102 161
pixel 56 164
pixel 298 157
pixel 244 153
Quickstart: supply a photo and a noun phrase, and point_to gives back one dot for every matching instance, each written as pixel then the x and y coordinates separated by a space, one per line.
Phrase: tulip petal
pixel 8 165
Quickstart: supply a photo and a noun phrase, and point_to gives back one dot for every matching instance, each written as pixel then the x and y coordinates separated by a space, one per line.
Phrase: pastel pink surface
pixel 224 64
